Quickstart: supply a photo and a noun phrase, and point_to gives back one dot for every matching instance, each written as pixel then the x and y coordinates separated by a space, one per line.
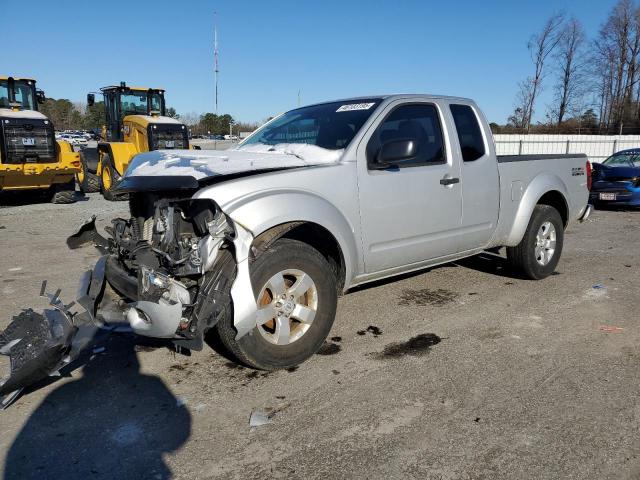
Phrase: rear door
pixel 479 177
pixel 411 212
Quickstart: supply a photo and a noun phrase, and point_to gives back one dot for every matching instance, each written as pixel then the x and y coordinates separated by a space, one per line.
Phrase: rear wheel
pixel 87 181
pixel 295 291
pixel 538 253
pixel 64 192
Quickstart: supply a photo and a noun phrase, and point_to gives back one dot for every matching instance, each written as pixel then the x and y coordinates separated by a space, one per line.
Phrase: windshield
pixel 329 125
pixel 623 160
pixel 135 103
pixel 24 91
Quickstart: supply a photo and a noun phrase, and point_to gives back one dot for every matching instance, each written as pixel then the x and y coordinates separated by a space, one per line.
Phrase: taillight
pixel 589 176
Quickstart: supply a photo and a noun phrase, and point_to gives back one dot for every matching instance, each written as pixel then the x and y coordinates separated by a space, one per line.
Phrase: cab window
pixel 469 134
pixel 417 122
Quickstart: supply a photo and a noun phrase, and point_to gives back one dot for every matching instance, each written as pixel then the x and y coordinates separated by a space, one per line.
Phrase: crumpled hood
pixel 201 164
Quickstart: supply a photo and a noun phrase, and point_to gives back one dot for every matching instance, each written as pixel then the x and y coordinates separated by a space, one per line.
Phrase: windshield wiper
pixel 287 152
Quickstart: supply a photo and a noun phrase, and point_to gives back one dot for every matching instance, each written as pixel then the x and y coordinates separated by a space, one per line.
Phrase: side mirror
pixel 91 99
pixel 396 151
pixel 40 97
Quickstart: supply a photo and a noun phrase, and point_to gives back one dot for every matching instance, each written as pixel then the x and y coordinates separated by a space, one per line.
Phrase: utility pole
pixel 215 54
pixel 298 97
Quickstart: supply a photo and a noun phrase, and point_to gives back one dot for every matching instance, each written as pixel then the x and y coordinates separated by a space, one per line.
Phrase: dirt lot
pixel 460 372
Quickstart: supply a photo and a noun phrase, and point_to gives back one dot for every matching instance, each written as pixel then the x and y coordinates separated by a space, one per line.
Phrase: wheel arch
pixel 545 189
pixel 312 234
pixel 303 215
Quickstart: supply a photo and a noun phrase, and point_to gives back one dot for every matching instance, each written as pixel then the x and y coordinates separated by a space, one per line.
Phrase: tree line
pixel 67 115
pixel 595 82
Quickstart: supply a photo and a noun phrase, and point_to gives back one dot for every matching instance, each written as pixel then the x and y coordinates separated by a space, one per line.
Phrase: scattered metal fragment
pixel 258 418
pixel 610 329
pixel 264 416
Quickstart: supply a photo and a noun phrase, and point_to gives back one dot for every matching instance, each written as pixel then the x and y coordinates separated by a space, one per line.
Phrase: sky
pixel 273 53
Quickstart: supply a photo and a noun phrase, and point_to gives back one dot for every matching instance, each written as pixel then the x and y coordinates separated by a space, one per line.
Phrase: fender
pixel 258 212
pixel 121 154
pixel 541 184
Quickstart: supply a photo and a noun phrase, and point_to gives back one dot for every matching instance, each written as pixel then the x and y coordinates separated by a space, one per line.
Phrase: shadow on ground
pixel 31 197
pixel 113 422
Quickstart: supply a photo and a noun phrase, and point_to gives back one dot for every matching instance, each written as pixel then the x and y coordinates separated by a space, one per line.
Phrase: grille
pixel 28 142
pixel 163 137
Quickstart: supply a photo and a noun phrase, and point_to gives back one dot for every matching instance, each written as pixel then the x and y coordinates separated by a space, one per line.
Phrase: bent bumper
pixel 587 212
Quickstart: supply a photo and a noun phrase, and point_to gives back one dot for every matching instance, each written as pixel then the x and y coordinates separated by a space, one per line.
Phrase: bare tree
pixel 616 58
pixel 570 65
pixel 520 115
pixel 541 45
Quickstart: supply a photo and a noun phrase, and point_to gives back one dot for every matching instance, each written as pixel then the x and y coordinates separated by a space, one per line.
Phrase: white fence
pixel 596 147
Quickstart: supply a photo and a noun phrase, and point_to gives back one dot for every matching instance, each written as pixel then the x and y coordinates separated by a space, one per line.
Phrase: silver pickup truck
pixel 255 244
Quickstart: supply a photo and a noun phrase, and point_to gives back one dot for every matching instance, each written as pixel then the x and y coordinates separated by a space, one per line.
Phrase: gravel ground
pixel 460 372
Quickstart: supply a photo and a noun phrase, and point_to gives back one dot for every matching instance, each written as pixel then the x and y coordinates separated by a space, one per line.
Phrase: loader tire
pixel 64 192
pixel 538 253
pixel 87 182
pixel 109 178
pixel 301 320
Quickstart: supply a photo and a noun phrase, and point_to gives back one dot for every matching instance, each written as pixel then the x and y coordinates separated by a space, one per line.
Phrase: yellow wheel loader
pixel 135 123
pixel 30 156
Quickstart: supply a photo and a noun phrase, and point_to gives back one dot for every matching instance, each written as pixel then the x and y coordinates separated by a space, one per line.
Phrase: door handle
pixel 449 181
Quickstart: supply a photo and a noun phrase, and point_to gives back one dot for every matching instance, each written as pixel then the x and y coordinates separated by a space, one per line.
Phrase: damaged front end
pixel 159 267
pixel 169 271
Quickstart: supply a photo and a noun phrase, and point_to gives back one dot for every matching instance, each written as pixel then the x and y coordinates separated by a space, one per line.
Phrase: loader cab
pixel 122 101
pixel 20 94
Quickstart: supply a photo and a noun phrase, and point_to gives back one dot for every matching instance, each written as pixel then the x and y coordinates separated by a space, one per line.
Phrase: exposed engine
pixel 160 259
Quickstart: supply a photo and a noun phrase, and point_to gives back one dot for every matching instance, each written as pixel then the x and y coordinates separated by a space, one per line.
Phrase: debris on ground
pixel 264 416
pixel 200 407
pixel 610 329
pixel 598 286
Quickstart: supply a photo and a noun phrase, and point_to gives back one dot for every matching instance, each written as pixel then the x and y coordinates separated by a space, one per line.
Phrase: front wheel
pixel 295 292
pixel 109 177
pixel 538 253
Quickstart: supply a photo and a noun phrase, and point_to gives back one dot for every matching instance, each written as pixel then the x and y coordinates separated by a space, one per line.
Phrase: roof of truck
pixel 394 96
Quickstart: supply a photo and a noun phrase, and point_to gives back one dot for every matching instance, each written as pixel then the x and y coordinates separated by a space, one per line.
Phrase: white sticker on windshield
pixel 355 106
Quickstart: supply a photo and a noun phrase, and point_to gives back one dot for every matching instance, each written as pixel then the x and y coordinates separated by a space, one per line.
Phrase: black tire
pixel 64 192
pixel 252 349
pixel 107 193
pixel 523 255
pixel 87 182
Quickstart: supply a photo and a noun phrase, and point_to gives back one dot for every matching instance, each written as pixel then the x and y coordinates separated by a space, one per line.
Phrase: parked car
pixel 258 242
pixel 616 181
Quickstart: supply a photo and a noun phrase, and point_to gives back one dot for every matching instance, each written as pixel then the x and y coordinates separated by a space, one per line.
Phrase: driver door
pixel 410 212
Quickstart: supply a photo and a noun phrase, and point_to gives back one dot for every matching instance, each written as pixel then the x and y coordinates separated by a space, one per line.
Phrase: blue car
pixel 616 181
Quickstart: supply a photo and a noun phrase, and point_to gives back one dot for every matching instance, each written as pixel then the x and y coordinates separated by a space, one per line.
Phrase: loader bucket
pixel 36 344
